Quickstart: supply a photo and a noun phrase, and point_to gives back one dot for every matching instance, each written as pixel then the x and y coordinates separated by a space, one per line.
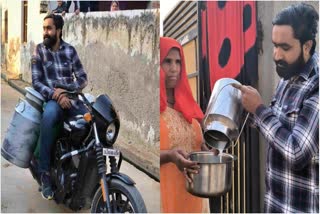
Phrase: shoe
pixel 46 189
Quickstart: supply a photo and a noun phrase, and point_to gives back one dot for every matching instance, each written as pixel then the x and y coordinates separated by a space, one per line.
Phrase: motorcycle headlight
pixel 111 132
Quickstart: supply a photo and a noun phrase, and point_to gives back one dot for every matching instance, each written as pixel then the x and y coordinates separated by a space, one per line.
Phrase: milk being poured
pixel 220 154
pixel 220 146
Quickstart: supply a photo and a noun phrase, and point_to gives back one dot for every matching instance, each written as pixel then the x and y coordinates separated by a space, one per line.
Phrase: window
pixel 25 21
pixel 6 26
pixel 43 6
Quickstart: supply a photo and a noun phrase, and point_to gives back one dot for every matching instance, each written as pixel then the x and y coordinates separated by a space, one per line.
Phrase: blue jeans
pixel 52 116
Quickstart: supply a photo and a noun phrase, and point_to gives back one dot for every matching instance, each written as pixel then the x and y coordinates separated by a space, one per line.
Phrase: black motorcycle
pixel 79 170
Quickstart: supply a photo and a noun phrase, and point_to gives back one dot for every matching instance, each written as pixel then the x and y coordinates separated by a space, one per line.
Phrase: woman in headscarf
pixel 114 6
pixel 180 131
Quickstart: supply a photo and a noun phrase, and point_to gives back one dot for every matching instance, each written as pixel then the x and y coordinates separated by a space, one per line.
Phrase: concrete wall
pixel 268 78
pixel 15 55
pixel 120 52
pixel 2 55
pixel 11 50
pixel 34 36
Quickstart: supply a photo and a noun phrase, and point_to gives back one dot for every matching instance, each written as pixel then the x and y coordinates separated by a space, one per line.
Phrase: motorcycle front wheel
pixel 123 199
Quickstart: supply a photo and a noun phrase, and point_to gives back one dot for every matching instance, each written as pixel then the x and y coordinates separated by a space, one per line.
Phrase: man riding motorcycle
pixel 55 62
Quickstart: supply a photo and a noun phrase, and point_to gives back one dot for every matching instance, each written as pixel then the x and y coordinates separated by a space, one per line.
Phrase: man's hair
pixel 303 19
pixel 57 21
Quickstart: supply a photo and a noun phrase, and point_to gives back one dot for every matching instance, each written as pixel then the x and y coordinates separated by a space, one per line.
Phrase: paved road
pixel 19 192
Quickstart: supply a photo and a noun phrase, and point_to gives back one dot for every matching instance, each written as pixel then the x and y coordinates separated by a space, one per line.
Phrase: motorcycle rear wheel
pixel 123 199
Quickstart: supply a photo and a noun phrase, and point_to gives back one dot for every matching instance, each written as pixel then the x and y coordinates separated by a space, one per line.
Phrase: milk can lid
pixel 33 92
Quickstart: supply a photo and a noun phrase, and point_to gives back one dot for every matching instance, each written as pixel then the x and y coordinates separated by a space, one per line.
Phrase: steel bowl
pixel 215 174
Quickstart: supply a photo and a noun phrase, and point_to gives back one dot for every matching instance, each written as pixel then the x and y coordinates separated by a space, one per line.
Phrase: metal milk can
pixel 24 130
pixel 222 117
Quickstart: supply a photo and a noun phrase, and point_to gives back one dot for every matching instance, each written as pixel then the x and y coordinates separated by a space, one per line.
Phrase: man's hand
pixel 57 92
pixel 251 98
pixel 64 102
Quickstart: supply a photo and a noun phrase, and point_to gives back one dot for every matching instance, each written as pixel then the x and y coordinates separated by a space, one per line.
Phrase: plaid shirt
pixel 62 67
pixel 291 127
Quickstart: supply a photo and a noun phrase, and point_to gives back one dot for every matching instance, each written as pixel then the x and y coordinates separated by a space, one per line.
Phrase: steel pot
pixel 215 174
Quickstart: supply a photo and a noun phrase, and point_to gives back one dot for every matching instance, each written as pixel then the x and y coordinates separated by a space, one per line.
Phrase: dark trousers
pixel 52 116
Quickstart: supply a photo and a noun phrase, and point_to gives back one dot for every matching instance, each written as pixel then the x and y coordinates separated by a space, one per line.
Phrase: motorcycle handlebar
pixel 72 93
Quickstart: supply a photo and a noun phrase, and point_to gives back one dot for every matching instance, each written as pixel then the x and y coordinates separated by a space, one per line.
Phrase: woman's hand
pixel 180 159
pixel 188 171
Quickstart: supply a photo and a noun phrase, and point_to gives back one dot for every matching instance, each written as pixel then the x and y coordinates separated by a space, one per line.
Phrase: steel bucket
pixel 215 174
pixel 22 135
pixel 222 117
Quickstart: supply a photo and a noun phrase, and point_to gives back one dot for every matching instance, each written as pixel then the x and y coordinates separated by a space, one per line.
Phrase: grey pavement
pixel 19 191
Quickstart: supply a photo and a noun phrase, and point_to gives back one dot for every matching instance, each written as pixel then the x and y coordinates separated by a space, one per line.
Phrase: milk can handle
pixel 244 123
pixel 24 105
pixel 244 120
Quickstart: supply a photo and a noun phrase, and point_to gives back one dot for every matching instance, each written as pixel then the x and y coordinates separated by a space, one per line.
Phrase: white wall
pixel 12 48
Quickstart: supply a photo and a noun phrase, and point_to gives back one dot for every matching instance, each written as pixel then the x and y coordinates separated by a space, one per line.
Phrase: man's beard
pixel 49 41
pixel 286 71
